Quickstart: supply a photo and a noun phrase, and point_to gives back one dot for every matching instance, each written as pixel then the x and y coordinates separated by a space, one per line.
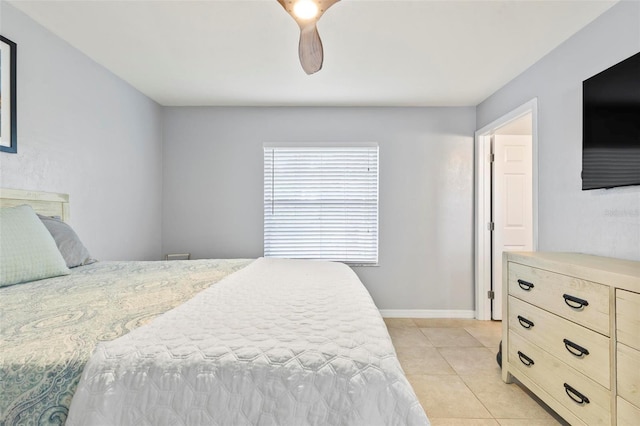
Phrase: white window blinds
pixel 321 203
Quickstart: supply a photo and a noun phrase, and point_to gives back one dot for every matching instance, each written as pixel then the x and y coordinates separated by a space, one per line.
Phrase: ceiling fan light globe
pixel 305 9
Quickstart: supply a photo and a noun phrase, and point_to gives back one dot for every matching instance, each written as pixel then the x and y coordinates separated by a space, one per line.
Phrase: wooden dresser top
pixel 619 273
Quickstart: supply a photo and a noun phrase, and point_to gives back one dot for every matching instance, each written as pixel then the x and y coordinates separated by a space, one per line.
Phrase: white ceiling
pixel 377 52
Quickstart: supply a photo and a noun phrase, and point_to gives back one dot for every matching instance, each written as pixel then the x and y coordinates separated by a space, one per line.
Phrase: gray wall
pixel 603 222
pixel 213 190
pixel 85 132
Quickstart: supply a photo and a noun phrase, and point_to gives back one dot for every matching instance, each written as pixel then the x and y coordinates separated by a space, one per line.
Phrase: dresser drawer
pixel 563 383
pixel 581 348
pixel 629 374
pixel 628 414
pixel 628 318
pixel 562 295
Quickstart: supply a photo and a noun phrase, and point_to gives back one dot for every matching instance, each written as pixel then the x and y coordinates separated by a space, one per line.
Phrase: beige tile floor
pixel 451 364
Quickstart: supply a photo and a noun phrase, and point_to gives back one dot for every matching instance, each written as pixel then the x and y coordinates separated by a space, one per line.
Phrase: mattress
pixel 49 328
pixel 286 342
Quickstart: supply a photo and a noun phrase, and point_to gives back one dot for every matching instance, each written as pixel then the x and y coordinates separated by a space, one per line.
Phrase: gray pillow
pixel 70 246
pixel 27 250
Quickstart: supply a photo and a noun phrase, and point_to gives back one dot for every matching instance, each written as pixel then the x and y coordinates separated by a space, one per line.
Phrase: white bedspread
pixel 285 342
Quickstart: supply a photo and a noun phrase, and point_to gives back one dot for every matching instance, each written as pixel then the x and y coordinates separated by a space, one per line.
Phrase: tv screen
pixel 611 126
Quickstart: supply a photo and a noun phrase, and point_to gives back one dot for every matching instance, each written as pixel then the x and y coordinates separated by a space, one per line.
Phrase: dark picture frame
pixel 8 97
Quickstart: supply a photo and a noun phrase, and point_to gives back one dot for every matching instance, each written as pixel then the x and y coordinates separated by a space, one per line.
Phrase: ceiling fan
pixel 307 13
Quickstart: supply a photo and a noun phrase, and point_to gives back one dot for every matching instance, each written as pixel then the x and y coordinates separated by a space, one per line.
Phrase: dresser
pixel 571 334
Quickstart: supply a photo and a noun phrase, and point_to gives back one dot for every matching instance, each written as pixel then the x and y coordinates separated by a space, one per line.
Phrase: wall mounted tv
pixel 611 126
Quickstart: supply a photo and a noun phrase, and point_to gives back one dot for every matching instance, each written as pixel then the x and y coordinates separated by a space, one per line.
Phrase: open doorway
pixel 506 200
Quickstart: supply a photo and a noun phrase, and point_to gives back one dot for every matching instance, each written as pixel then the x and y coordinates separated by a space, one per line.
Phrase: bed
pixel 229 342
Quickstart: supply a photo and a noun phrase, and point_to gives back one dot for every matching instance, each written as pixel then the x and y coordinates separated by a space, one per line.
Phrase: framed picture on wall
pixel 8 119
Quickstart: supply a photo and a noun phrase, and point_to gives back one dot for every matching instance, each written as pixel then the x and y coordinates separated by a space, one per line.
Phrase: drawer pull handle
pixel 525 285
pixel 574 302
pixel 525 322
pixel 575 395
pixel 525 359
pixel 574 348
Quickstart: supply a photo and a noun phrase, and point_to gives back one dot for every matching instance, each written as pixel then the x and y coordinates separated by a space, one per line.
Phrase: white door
pixel 511 204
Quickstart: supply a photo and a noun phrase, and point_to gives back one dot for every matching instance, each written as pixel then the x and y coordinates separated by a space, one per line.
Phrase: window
pixel 321 203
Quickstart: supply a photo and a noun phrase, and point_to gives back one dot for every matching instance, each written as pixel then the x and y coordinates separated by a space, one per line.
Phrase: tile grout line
pixel 470 390
pixel 438 349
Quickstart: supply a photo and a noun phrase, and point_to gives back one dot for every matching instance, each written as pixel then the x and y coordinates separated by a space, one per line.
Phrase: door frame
pixel 482 144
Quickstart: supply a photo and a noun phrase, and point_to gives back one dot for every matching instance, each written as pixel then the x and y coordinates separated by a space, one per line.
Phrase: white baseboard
pixel 426 313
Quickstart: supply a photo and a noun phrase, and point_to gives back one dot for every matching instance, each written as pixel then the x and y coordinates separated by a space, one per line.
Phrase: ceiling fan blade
pixel 310 46
pixel 310 49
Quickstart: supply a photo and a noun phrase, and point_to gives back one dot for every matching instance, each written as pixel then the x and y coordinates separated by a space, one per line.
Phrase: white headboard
pixel 45 203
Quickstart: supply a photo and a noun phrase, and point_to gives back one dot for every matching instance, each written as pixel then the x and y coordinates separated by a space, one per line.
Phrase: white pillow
pixel 28 252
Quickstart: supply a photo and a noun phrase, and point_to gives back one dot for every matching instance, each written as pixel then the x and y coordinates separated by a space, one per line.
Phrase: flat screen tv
pixel 611 126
